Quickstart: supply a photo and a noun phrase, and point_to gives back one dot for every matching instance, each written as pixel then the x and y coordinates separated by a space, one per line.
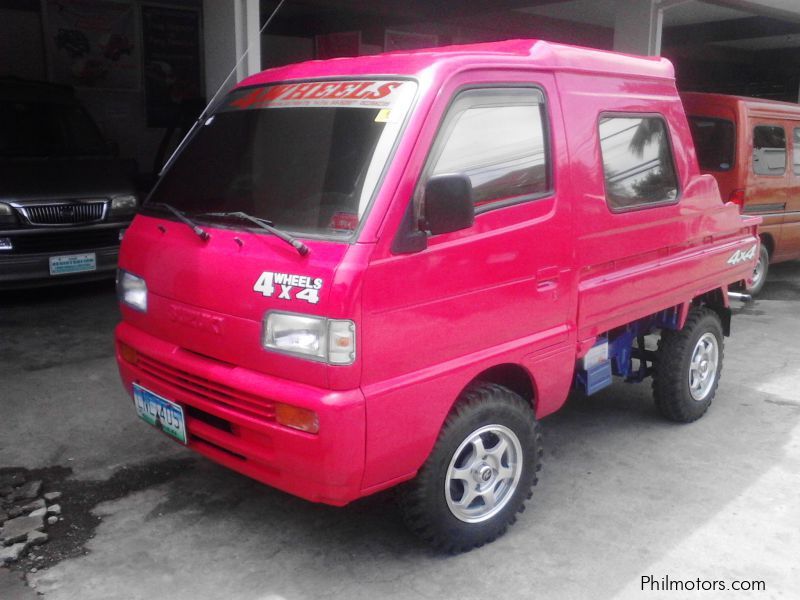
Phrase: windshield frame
pixel 353 236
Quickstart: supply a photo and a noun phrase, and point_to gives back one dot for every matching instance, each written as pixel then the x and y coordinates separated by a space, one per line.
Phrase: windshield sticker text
pixel 358 94
pixel 287 286
pixel 741 256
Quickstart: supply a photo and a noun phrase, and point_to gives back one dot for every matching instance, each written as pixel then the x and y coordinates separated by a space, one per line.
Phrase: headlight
pixel 329 340
pixel 123 205
pixel 7 214
pixel 132 290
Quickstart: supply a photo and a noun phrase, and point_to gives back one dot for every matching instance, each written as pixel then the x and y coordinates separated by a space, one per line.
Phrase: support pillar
pixel 230 28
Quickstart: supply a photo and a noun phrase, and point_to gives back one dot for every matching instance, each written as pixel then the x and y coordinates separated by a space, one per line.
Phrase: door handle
pixel 547 279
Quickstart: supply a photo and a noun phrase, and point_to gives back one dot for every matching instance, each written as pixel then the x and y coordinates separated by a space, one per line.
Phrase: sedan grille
pixel 65 213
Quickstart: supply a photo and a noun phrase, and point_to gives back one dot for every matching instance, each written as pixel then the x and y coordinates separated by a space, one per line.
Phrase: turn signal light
pixel 737 197
pixel 296 417
pixel 128 354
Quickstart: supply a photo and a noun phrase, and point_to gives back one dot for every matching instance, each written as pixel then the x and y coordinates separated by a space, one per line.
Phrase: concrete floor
pixel 623 494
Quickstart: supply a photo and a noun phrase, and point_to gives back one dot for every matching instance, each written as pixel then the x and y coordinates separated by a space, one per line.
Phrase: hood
pixel 210 297
pixel 37 179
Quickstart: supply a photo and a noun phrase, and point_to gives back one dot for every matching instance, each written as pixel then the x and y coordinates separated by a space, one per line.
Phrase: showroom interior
pixel 171 56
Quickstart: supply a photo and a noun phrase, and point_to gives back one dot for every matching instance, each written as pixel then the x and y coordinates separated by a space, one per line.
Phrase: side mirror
pixel 448 203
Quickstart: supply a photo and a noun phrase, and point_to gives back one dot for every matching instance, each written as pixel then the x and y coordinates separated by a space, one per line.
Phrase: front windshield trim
pixel 349 237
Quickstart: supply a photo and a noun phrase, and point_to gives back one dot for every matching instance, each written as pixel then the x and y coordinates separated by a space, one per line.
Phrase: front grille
pixel 211 391
pixel 63 241
pixel 64 213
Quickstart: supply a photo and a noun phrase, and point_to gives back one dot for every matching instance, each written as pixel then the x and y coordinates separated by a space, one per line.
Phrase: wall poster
pixel 93 43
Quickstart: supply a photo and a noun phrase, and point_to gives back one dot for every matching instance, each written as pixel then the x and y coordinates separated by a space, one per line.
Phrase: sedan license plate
pixel 73 263
pixel 160 412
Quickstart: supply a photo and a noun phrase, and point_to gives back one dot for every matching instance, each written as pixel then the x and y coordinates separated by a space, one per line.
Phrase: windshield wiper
pixel 201 233
pixel 263 224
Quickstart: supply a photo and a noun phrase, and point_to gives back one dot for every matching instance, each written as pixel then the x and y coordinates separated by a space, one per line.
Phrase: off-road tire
pixel 671 387
pixel 424 501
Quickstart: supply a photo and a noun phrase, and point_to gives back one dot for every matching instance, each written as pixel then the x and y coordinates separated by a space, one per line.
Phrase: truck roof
pixel 520 52
pixel 698 99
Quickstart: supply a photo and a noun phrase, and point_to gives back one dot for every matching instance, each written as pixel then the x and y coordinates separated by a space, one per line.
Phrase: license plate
pixel 73 263
pixel 160 412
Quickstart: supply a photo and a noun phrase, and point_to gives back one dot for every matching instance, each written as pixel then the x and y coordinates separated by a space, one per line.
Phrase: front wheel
pixel 479 474
pixel 688 367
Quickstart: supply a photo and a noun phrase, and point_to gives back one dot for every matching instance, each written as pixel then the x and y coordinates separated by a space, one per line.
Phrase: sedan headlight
pixel 7 215
pixel 123 205
pixel 317 338
pixel 132 290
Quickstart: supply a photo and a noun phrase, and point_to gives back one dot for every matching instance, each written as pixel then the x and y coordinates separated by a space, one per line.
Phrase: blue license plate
pixel 160 412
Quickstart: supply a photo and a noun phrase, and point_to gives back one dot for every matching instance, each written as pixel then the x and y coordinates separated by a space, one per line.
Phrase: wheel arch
pixel 717 300
pixel 511 375
pixel 769 242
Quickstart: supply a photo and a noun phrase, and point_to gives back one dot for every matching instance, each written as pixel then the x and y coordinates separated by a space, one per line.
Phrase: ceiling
pixel 751 25
pixel 601 12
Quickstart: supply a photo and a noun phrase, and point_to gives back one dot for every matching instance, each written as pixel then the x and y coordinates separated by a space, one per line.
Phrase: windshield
pixel 305 156
pixel 713 140
pixel 39 129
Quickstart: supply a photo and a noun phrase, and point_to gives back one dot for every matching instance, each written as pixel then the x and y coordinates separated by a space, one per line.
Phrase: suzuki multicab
pixel 387 270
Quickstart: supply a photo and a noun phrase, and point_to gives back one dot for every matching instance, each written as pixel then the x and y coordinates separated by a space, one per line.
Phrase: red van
pixel 752 147
pixel 387 269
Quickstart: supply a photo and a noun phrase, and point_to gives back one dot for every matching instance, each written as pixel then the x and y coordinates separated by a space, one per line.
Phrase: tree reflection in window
pixel 637 162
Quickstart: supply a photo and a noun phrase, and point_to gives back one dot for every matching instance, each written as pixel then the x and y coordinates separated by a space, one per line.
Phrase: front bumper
pixel 33 270
pixel 230 418
pixel 27 264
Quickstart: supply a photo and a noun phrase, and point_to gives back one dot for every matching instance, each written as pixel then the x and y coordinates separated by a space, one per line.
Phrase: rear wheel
pixel 479 474
pixel 688 367
pixel 759 272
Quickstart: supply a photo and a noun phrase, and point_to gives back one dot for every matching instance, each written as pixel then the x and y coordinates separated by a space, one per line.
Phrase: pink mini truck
pixel 364 272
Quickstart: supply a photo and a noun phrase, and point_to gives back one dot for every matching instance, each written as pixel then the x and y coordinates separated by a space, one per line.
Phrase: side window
pixel 637 162
pixel 769 150
pixel 796 151
pixel 497 139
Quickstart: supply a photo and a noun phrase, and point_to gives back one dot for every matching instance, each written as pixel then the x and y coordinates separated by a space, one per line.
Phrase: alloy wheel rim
pixel 483 473
pixel 758 273
pixel 703 366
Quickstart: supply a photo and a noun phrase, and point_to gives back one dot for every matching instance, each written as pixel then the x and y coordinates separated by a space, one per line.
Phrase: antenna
pixel 219 89
pixel 239 62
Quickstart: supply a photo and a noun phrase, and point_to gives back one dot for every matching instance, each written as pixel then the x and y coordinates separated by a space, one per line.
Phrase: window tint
pixel 769 150
pixel 796 151
pixel 637 162
pixel 496 138
pixel 713 140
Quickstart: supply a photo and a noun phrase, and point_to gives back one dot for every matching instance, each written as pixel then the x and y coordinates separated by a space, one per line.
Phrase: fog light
pixel 296 417
pixel 122 234
pixel 128 354
pixel 5 244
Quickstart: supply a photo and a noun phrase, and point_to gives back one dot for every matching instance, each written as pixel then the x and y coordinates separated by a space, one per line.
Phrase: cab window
pixel 496 137
pixel 769 150
pixel 796 151
pixel 637 162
